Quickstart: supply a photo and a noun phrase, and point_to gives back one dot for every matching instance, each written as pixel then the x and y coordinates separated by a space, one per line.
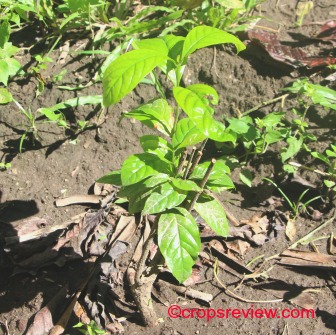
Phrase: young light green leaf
pixel 140 166
pixel 4 72
pixel 5 96
pixel 206 92
pixel 74 102
pixel 320 156
pixel 126 72
pixel 186 134
pixel 203 36
pixel 179 241
pixel 199 113
pixel 186 185
pixel 157 114
pixel 165 197
pixel 152 44
pixel 212 212
pixel 113 178
pixel 294 146
pixel 156 145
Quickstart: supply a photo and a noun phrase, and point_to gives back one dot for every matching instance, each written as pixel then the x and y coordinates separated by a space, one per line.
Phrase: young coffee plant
pixel 163 180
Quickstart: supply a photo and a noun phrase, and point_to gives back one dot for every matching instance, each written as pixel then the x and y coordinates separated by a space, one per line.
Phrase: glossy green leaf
pixel 154 44
pixel 206 92
pixel 165 197
pixel 113 178
pixel 143 186
pixel 126 72
pixel 204 36
pixel 140 166
pixel 157 114
pixel 5 96
pixel 199 113
pixel 4 32
pixel 186 134
pixel 218 179
pixel 179 241
pixel 231 3
pixel 156 144
pixel 4 73
pixel 212 212
pixel 186 185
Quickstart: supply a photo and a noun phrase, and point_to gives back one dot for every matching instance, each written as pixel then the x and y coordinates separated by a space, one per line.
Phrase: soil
pixel 62 163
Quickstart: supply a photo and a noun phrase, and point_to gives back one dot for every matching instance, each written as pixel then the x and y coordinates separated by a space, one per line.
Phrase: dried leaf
pixel 290 229
pixel 308 259
pixel 43 320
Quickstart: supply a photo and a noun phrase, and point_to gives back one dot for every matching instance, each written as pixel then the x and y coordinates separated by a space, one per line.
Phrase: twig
pixel 195 162
pixel 191 158
pixel 265 103
pixel 203 182
pixel 324 174
pixel 207 297
pixel 182 161
pixel 234 295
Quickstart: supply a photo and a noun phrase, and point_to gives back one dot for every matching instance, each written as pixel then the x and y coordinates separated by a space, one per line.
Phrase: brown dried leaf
pixel 290 229
pixel 43 320
pixel 308 259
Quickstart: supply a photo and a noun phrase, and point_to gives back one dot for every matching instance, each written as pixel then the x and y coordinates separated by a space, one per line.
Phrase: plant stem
pixel 265 103
pixel 191 158
pixel 182 161
pixel 143 283
pixel 203 182
pixel 195 162
pixel 324 174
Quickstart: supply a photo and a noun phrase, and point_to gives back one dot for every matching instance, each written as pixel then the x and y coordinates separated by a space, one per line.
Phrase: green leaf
pixel 126 72
pixel 140 166
pixel 113 178
pixel 143 186
pixel 4 73
pixel 179 242
pixel 74 102
pixel 186 185
pixel 156 145
pixel 203 36
pixel 165 197
pixel 320 157
pixel 5 96
pixel 329 183
pixel 218 179
pixel 152 44
pixel 246 176
pixel 231 3
pixel 186 134
pixel 157 114
pixel 213 214
pixel 294 146
pixel 206 92
pixel 4 32
pixel 199 113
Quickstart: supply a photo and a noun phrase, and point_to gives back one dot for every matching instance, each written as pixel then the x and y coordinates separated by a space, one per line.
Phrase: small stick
pixel 203 145
pixel 324 174
pixel 207 297
pixel 190 162
pixel 182 161
pixel 234 295
pixel 203 182
pixel 195 162
pixel 265 103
